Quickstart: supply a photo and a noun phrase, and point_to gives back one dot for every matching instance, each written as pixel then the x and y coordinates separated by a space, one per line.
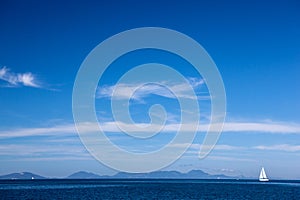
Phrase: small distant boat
pixel 262 176
pixel 32 178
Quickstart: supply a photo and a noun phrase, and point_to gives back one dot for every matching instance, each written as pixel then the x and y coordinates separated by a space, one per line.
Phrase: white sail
pixel 262 175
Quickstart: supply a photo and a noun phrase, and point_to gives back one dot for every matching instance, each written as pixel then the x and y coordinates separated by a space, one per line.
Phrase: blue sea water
pixel 148 189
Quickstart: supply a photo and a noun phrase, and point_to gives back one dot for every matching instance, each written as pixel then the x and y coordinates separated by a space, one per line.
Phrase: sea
pixel 148 189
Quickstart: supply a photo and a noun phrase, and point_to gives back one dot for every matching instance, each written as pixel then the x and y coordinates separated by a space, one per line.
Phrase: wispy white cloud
pixel 111 127
pixel 62 142
pixel 221 147
pixel 18 79
pixel 229 158
pixel 44 151
pixel 279 147
pixel 194 148
pixel 260 127
pixel 269 127
pixel 217 147
pixel 141 90
pixel 67 129
pixel 41 149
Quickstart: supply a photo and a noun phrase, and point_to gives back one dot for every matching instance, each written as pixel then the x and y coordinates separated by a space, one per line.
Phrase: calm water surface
pixel 148 189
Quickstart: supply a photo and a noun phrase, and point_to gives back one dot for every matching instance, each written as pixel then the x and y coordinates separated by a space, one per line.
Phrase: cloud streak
pixel 260 127
pixel 62 142
pixel 280 147
pixel 18 79
pixel 44 151
pixel 270 127
pixel 111 127
pixel 141 90
pixel 63 130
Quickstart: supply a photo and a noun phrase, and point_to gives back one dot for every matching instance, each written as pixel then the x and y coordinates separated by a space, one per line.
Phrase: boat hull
pixel 264 179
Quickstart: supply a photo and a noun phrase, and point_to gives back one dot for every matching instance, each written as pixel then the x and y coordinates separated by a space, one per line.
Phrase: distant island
pixel 193 174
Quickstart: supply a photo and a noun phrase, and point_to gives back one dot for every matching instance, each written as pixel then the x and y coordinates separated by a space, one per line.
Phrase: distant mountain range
pixel 194 174
pixel 22 175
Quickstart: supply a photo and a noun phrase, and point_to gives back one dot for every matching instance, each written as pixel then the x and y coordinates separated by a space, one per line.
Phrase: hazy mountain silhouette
pixel 83 175
pixel 194 174
pixel 22 175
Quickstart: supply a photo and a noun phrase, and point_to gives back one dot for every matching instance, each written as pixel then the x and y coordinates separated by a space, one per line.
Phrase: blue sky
pixel 254 44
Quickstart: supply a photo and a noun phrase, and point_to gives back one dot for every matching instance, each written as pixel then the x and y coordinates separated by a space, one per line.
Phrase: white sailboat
pixel 263 176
